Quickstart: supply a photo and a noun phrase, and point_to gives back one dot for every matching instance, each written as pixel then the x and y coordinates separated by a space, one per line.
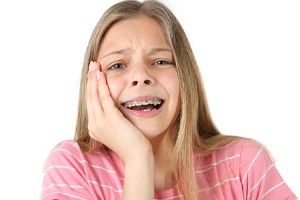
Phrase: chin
pixel 152 132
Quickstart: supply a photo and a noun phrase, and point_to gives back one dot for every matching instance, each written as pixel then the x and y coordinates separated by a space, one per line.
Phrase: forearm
pixel 139 183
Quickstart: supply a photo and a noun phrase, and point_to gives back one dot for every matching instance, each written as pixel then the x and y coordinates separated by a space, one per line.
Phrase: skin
pixel 135 63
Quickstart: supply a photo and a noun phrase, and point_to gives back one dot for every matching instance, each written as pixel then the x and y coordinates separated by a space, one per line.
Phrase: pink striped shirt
pixel 241 170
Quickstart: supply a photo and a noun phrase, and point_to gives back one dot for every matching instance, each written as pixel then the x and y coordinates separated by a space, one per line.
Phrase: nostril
pixel 134 83
pixel 147 82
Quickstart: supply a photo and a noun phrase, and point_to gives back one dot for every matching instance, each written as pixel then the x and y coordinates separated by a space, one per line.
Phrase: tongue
pixel 146 107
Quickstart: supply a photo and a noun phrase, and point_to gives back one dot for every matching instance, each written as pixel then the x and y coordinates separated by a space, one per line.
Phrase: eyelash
pixel 163 62
pixel 114 65
pixel 121 66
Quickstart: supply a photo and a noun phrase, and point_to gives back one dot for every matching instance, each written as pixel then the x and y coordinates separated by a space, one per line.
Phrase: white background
pixel 248 53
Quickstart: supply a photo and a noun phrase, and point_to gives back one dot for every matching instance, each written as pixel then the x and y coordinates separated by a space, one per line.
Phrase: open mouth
pixel 144 105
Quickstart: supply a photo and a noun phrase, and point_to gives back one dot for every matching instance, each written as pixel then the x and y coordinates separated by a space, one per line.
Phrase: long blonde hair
pixel 196 130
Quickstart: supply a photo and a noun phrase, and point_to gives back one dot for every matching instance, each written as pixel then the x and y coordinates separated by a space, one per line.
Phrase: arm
pixel 138 183
pixel 108 126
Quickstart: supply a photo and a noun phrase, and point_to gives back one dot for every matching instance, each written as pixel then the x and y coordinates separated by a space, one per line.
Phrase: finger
pixel 104 93
pixel 90 110
pixel 95 98
pixel 90 99
pixel 88 88
pixel 98 66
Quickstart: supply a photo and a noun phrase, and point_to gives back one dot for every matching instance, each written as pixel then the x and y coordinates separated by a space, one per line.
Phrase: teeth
pixel 143 102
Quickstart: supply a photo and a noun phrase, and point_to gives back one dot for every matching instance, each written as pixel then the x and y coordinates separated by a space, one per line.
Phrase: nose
pixel 141 76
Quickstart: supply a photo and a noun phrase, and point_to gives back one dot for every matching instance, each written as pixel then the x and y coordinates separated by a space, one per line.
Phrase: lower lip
pixel 141 113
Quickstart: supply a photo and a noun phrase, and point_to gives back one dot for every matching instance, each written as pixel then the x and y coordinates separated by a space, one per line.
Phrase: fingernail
pixel 91 66
pixel 98 75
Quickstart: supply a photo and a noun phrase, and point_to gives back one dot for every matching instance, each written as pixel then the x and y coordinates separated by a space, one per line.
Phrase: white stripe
pixel 102 154
pixel 58 167
pixel 64 150
pixel 71 168
pixel 217 163
pixel 254 159
pixel 219 184
pixel 273 188
pixel 106 186
pixel 107 170
pixel 66 194
pixel 85 161
pixel 207 189
pixel 94 152
pixel 263 176
pixel 174 197
pixel 75 144
pixel 62 185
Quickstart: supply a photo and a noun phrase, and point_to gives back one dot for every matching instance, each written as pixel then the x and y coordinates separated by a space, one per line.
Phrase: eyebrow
pixel 151 52
pixel 121 51
pixel 157 50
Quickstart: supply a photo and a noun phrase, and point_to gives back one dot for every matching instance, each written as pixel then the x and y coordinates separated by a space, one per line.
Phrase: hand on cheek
pixel 105 121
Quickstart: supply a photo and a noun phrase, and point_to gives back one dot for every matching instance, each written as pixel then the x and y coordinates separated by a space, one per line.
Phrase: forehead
pixel 138 32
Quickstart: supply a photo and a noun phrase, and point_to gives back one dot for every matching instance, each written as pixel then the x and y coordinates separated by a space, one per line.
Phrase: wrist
pixel 139 174
pixel 141 154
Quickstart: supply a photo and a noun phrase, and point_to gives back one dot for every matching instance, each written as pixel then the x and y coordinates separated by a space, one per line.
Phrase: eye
pixel 163 62
pixel 116 66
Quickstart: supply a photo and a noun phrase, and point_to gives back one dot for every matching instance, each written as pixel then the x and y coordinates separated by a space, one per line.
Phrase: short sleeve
pixel 64 174
pixel 258 174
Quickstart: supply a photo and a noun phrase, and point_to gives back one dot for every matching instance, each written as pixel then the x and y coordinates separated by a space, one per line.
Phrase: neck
pixel 163 158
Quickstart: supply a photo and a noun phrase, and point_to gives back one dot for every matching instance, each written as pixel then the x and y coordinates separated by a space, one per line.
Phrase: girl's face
pixel 141 75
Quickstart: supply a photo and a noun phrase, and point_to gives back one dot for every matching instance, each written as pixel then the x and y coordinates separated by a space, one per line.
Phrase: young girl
pixel 144 130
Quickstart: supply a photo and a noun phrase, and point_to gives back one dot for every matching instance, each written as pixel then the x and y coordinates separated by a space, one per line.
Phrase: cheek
pixel 171 84
pixel 114 86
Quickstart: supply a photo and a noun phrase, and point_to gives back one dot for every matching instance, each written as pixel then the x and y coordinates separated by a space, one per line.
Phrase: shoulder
pixel 65 155
pixel 245 147
pixel 242 148
pixel 248 164
pixel 249 152
pixel 242 144
pixel 65 148
pixel 67 145
pixel 69 152
pixel 241 156
pixel 257 172
pixel 68 166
